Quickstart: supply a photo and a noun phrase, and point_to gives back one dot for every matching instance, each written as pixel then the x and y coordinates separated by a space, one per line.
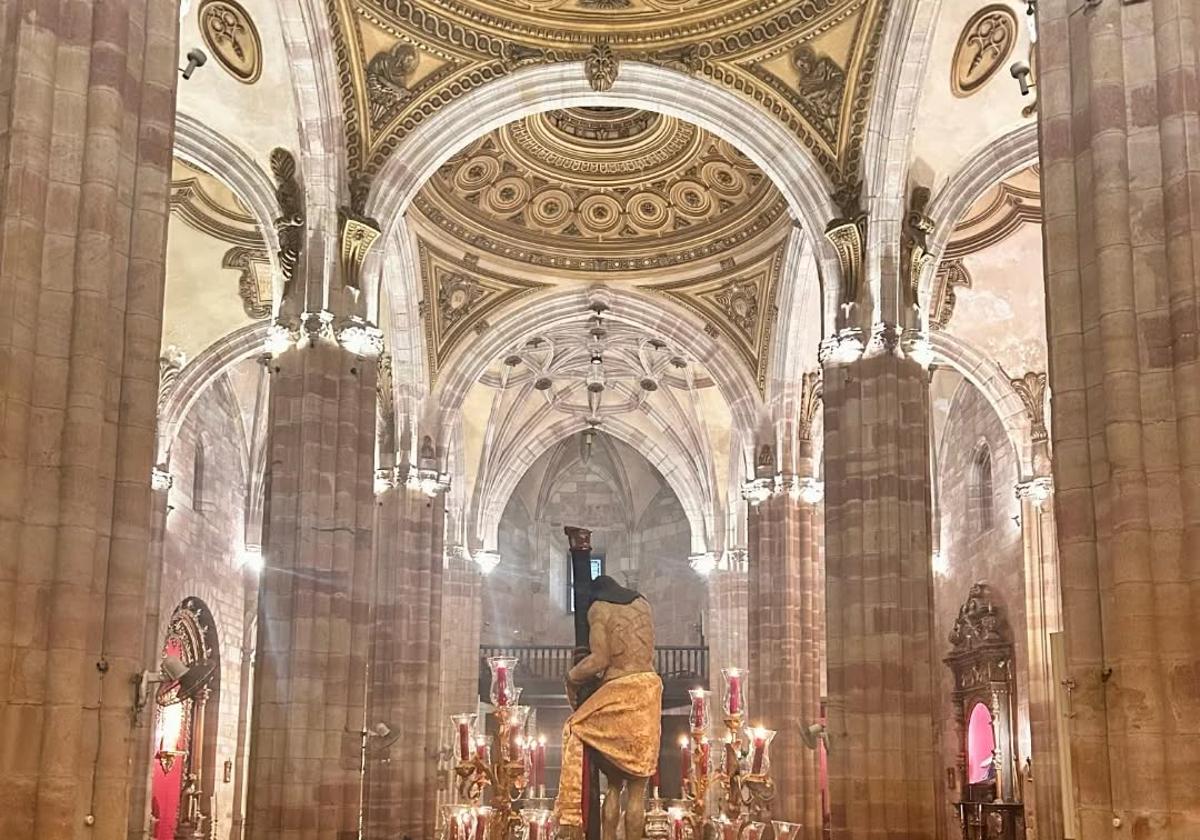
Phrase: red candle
pixel 698 713
pixel 654 783
pixel 464 741
pixel 502 685
pixel 760 745
pixel 533 829
pixel 539 764
pixel 480 823
pixel 481 749
pixel 454 827
pixel 678 827
pixel 735 693
pixel 728 830
pixel 685 760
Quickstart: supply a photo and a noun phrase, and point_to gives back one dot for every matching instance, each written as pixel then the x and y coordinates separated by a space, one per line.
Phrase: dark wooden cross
pixel 580 540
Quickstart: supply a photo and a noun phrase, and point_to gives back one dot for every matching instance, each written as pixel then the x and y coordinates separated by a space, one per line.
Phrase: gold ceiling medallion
pixel 984 45
pixel 601 189
pixel 233 38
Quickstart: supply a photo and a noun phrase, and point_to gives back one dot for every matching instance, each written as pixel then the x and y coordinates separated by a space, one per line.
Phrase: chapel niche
pixel 185 732
pixel 988 799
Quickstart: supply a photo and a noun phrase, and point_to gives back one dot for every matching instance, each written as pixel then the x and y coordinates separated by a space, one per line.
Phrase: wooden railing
pixel 552 662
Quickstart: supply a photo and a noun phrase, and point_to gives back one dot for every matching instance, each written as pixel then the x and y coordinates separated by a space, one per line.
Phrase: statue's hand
pixel 572 692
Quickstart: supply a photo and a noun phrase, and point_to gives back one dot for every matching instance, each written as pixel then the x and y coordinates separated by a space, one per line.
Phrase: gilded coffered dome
pixel 601 189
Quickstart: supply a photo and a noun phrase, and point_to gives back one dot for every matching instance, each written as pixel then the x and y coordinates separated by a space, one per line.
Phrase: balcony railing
pixel 552 662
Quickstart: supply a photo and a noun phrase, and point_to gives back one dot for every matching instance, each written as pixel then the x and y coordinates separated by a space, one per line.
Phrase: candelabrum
pixel 741 778
pixel 506 766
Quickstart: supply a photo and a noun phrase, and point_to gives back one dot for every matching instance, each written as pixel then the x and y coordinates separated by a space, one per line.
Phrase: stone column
pixel 879 602
pixel 1119 129
pixel 405 690
pixel 783 642
pixel 727 621
pixel 462 625
pixel 86 118
pixel 315 593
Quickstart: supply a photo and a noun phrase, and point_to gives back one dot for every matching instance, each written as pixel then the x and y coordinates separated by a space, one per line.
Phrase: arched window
pixel 982 495
pixel 199 499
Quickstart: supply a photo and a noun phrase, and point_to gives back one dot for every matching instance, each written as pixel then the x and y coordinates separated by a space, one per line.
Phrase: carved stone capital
pixel 430 482
pixel 385 479
pixel 914 344
pixel 885 338
pixel 845 347
pixel 703 563
pixel 1038 490
pixel 758 490
pixel 360 338
pixel 317 326
pixel 487 560
pixel 160 479
pixel 281 337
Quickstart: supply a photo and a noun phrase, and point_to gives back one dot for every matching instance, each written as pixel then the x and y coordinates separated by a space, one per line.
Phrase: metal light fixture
pixel 196 58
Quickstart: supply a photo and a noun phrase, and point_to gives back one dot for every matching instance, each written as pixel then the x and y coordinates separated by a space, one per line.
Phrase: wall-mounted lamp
pixel 196 58
pixel 1020 71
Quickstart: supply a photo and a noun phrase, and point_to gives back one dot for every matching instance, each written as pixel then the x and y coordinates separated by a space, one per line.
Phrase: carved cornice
pixel 193 203
pixel 1010 207
pixel 979 624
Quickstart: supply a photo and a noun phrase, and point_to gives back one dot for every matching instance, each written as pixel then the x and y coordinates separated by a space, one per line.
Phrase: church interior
pixel 352 350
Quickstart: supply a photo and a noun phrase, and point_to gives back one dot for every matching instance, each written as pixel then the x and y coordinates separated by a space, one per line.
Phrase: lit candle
pixel 735 692
pixel 481 748
pixel 760 748
pixel 698 719
pixel 502 685
pixel 728 829
pixel 685 760
pixel 654 783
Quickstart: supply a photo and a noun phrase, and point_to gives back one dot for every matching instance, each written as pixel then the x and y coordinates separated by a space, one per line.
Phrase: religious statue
pixel 621 720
